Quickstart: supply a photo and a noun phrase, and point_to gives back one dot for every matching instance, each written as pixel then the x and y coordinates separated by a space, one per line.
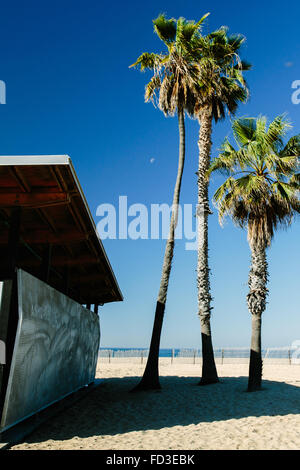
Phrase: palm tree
pixel 221 87
pixel 261 193
pixel 175 79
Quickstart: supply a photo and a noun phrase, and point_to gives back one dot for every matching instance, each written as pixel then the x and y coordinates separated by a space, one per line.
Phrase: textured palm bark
pixel 150 379
pixel 209 371
pixel 256 299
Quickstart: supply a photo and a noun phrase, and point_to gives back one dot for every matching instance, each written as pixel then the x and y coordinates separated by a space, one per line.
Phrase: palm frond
pixel 165 29
pixel 268 194
pixel 148 61
pixel 277 130
pixel 292 147
pixel 151 87
pixel 244 130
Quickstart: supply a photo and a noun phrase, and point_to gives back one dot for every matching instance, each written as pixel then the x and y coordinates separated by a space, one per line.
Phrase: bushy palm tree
pixel 221 87
pixel 261 194
pixel 175 79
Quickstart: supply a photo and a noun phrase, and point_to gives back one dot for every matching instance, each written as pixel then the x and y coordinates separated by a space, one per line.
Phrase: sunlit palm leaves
pixel 197 70
pixel 174 83
pixel 221 82
pixel 263 187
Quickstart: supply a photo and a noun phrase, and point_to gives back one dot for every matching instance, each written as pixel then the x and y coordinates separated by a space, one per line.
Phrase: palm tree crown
pixel 262 190
pixel 220 70
pixel 175 73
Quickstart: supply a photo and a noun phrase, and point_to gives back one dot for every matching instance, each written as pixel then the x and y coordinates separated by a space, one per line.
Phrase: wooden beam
pixel 88 293
pixel 59 178
pixel 82 260
pixel 77 261
pixel 44 214
pixel 17 174
pixel 77 217
pixel 75 212
pixel 34 190
pixel 45 237
pixel 62 238
pixel 14 239
pixel 46 219
pixel 34 199
pixel 88 278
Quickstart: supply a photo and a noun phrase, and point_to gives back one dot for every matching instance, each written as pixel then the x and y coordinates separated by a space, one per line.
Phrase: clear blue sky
pixel 70 91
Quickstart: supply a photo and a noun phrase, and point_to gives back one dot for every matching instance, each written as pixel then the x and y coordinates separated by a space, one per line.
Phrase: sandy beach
pixel 182 415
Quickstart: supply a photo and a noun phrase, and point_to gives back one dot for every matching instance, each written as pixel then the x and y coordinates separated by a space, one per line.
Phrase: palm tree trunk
pixel 209 371
pixel 256 300
pixel 150 379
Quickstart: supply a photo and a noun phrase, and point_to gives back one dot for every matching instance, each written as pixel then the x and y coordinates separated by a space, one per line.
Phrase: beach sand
pixel 182 415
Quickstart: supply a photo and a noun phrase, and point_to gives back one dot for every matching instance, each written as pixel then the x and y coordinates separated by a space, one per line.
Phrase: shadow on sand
pixel 110 409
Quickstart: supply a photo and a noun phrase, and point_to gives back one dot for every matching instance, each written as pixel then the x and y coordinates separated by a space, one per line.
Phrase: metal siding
pixel 55 351
pixel 5 297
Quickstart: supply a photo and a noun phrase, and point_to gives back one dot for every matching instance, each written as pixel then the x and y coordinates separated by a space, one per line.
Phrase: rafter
pixel 44 237
pixel 33 199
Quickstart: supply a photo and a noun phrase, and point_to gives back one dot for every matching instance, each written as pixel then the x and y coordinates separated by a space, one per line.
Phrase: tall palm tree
pixel 221 87
pixel 175 80
pixel 261 193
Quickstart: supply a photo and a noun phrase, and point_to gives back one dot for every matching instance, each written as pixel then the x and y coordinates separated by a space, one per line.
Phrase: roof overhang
pixel 55 215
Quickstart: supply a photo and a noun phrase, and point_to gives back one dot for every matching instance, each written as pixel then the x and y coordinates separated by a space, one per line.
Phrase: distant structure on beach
pixel 53 270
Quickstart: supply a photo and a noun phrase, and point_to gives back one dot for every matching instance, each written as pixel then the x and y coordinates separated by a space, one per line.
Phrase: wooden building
pixel 54 273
